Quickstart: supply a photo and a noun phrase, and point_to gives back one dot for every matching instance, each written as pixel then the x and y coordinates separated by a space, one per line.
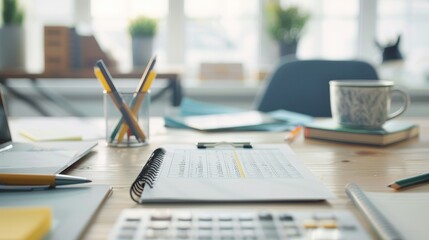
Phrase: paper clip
pixel 204 145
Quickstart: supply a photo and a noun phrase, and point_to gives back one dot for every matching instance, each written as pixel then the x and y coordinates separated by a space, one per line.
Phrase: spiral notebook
pixel 227 172
pixel 394 215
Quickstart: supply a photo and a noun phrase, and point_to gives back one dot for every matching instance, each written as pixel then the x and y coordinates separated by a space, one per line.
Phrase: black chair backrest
pixel 303 85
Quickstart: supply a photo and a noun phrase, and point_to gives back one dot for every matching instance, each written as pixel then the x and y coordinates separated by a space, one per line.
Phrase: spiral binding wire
pixel 147 175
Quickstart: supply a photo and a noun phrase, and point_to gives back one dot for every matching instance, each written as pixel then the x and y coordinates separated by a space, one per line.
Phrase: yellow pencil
pixel 143 80
pixel 117 100
pixel 101 78
pixel 290 136
pixel 138 102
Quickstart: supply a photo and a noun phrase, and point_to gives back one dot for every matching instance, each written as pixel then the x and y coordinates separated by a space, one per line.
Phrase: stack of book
pixel 392 132
pixel 57 49
pixel 67 51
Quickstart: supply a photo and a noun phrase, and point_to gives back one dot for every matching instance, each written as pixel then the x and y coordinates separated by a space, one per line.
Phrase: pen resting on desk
pixel 37 181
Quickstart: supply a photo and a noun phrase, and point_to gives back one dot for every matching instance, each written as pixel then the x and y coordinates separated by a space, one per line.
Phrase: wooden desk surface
pixel 335 164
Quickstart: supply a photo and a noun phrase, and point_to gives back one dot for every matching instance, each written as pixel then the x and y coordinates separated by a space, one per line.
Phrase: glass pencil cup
pixel 126 117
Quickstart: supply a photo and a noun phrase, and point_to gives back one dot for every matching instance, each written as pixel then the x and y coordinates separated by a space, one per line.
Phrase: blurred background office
pixel 223 49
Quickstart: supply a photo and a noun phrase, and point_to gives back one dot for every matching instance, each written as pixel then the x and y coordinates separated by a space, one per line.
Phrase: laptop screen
pixel 5 136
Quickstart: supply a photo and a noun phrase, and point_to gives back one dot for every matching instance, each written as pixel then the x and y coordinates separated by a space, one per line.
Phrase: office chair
pixel 303 85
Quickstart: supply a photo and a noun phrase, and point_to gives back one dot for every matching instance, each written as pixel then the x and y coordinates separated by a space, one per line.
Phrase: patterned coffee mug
pixel 364 103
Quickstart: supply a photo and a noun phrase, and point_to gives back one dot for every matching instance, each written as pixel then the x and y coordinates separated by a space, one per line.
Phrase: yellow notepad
pixel 25 223
pixel 51 135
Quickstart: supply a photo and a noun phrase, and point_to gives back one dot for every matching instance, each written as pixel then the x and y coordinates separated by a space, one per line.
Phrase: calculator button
pixel 227 238
pixel 183 225
pixel 246 217
pixel 184 217
pixel 322 234
pixel 288 224
pixel 268 225
pixel 205 217
pixel 249 238
pixel 285 217
pixel 161 217
pixel 310 224
pixel 270 232
pixel 225 217
pixel 348 227
pixel 149 234
pixel 204 233
pixel 292 232
pixel 161 234
pixel 226 225
pixel 248 232
pixel 265 217
pixel 132 219
pixel 324 216
pixel 329 224
pixel 125 238
pixel 127 234
pixel 247 225
pixel 226 233
pixel 159 225
pixel 183 234
pixel 130 225
pixel 205 238
pixel 205 225
pixel 273 238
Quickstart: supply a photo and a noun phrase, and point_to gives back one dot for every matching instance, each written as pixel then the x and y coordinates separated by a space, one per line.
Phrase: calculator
pixel 236 225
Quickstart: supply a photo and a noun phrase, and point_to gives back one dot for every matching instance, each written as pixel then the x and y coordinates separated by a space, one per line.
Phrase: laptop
pixel 39 158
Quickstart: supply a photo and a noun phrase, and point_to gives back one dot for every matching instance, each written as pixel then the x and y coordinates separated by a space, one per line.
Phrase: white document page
pixel 263 173
pixel 228 120
pixel 408 212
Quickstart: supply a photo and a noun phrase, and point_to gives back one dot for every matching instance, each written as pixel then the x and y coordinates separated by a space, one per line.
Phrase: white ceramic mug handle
pixel 404 107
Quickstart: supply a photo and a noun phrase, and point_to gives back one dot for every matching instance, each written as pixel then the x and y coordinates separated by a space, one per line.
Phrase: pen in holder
pixel 118 133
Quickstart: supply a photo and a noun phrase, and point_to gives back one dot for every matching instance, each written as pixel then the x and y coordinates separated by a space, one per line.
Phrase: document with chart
pixel 228 173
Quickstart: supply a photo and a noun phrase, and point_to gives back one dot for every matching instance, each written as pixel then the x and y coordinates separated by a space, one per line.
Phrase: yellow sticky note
pixel 45 135
pixel 25 223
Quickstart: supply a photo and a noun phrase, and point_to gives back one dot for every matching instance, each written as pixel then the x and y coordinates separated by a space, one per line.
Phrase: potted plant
pixel 285 25
pixel 142 31
pixel 12 52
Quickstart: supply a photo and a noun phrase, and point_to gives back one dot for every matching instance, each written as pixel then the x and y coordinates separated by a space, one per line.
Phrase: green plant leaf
pixel 285 25
pixel 12 14
pixel 142 27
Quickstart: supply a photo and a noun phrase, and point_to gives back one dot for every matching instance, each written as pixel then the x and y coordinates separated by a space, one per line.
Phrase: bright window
pixel 221 31
pixel 332 30
pixel 231 31
pixel 110 23
pixel 406 18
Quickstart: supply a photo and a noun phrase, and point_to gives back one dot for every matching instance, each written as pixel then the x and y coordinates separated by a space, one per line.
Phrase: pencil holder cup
pixel 127 122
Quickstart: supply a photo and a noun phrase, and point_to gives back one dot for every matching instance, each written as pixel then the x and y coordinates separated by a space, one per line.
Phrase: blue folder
pixel 286 120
